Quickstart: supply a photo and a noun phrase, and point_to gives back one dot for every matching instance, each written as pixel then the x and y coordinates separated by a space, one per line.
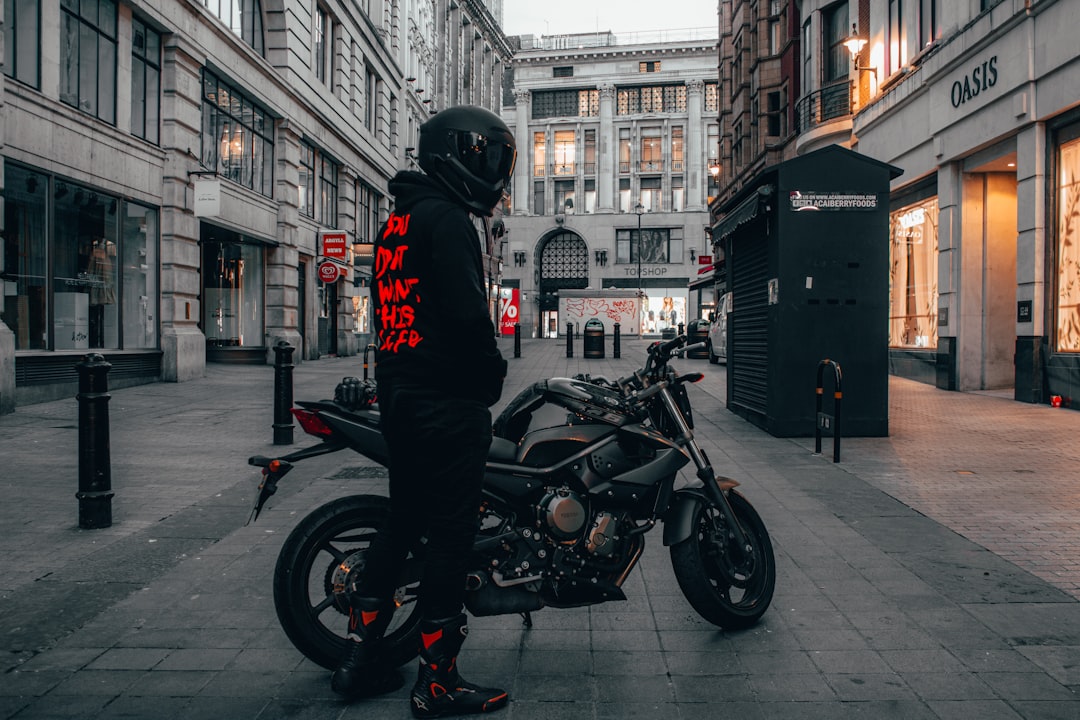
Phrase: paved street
pixel 934 573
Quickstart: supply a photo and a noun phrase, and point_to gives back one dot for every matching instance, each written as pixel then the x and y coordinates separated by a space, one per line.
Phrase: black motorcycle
pixel 580 469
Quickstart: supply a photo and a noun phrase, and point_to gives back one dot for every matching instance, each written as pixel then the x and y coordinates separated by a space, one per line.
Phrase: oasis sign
pixel 979 79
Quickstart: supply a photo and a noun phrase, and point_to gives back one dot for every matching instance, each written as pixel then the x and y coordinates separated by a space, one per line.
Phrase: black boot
pixel 363 671
pixel 440 689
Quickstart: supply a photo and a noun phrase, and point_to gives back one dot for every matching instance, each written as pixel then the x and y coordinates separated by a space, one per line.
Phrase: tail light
pixel 311 423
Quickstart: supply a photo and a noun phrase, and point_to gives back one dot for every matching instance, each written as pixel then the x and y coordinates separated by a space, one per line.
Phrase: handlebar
pixel 664 349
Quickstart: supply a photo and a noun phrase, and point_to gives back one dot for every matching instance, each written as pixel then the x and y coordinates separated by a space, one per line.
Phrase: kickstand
pixel 526 619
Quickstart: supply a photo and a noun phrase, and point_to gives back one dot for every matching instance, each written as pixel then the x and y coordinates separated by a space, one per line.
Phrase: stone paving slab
pixel 887 603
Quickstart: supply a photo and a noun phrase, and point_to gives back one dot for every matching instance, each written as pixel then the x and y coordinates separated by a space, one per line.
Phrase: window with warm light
pixel 677 159
pixel 913 297
pixel 652 151
pixel 539 154
pixel 1068 243
pixel 564 152
pixel 237 136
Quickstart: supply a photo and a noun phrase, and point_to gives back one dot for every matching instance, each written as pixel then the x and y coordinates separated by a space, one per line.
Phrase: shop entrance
pixel 989 279
pixel 563 265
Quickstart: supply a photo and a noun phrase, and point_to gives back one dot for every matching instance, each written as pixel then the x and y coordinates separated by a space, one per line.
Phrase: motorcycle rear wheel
pixel 733 595
pixel 323 551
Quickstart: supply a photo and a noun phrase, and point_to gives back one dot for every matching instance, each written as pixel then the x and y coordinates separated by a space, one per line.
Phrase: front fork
pixel 715 488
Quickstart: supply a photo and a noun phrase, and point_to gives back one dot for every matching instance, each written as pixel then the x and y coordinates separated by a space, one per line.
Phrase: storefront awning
pixel 744 212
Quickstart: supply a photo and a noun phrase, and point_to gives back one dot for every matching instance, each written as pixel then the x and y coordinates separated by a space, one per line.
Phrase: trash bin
pixel 593 342
pixel 697 332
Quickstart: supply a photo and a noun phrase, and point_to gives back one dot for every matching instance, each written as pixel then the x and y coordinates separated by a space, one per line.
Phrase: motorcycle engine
pixel 564 514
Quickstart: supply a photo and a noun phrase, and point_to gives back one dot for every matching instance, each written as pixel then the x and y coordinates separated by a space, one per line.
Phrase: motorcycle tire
pixel 732 596
pixel 309 577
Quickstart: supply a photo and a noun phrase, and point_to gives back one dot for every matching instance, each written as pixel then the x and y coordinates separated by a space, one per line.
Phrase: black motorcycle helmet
pixel 470 151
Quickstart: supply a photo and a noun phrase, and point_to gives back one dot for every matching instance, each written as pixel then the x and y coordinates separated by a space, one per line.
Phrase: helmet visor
pixel 485 157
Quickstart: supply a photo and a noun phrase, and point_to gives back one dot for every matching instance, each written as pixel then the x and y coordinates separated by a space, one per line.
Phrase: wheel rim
pixel 738 584
pixel 333 564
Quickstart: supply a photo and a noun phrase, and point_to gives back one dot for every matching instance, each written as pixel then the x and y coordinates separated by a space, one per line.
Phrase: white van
pixel 717 341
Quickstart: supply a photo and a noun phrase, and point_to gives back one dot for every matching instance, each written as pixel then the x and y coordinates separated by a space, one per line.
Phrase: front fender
pixel 679 518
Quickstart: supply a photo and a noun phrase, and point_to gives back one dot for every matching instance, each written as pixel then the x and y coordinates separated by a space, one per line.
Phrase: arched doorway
pixel 562 263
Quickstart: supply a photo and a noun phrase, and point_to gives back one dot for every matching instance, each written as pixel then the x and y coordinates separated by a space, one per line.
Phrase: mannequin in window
pixel 102 278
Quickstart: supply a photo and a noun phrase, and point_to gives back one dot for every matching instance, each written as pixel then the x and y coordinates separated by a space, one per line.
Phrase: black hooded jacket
pixel 430 306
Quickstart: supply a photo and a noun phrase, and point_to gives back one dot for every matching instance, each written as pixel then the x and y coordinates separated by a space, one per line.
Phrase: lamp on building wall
pixel 601 257
pixel 693 254
pixel 855 43
pixel 519 258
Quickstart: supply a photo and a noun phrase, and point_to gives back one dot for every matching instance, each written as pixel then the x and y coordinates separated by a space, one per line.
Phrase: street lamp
pixel 639 208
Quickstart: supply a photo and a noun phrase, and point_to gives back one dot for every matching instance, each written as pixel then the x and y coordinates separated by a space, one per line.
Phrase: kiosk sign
pixel 334 245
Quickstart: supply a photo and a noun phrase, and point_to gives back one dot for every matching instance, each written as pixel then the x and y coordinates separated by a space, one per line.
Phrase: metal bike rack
pixel 825 422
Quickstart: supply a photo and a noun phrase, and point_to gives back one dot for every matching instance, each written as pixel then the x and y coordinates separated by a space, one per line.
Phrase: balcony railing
pixel 821 106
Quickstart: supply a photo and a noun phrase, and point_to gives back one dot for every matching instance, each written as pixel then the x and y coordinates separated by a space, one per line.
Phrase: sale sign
pixel 509 305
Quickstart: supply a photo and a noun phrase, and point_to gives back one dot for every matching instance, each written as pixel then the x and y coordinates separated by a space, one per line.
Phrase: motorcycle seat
pixel 502 450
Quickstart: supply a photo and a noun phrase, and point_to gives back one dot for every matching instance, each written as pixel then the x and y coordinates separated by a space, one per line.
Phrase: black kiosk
pixel 807 248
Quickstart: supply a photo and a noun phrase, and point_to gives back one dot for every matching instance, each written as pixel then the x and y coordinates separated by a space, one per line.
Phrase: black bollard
pixel 569 340
pixel 616 344
pixel 283 393
pixel 368 349
pixel 517 340
pixel 95 466
pixel 681 328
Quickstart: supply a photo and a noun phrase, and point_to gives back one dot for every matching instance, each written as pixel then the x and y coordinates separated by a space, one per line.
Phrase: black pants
pixel 438 446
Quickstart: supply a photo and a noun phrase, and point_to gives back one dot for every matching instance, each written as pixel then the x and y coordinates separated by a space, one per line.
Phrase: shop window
pixel 1068 246
pixel 90 282
pixel 913 297
pixel 139 277
pixel 590 195
pixel 88 57
pixel 24 263
pixel 232 273
pixel 145 81
pixel 22 41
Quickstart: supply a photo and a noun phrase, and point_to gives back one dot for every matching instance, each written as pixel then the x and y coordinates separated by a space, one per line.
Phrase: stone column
pixel 697 182
pixel 523 138
pixel 182 343
pixel 282 283
pixel 608 150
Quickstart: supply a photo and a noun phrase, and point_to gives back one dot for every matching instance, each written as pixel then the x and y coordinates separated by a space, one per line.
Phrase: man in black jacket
pixel 438 372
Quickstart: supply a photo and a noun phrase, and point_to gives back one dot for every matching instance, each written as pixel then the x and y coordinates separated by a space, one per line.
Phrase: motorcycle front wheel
pixel 319 559
pixel 729 589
